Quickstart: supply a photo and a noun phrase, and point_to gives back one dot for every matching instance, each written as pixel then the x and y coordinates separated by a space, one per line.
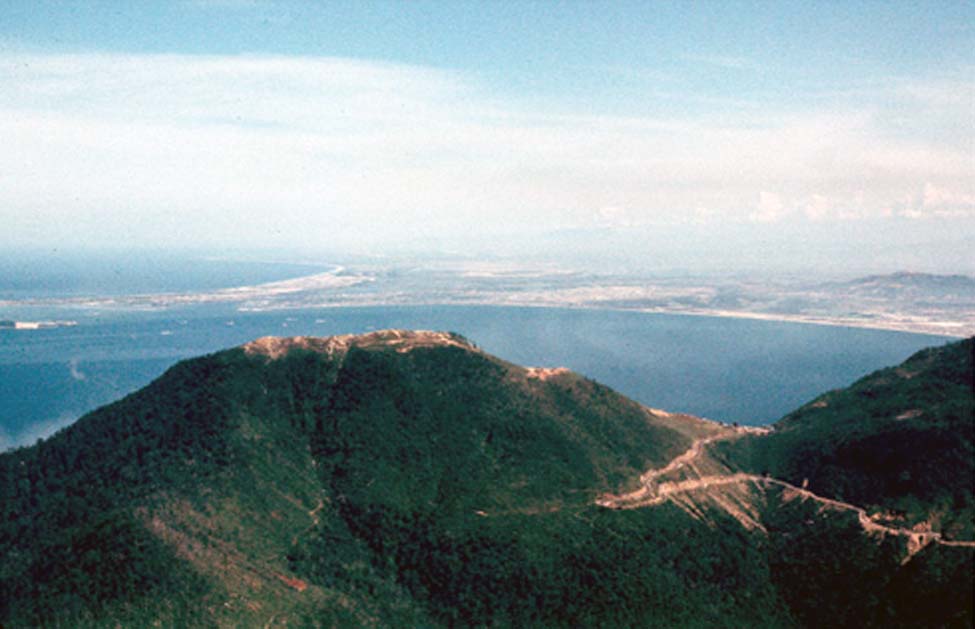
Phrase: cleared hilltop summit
pixel 399 340
pixel 404 478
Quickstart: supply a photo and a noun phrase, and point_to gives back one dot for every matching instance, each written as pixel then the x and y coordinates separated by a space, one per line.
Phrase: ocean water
pixel 32 274
pixel 740 370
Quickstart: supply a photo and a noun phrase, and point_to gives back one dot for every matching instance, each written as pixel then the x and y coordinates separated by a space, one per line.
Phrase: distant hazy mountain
pixel 410 479
pixel 911 285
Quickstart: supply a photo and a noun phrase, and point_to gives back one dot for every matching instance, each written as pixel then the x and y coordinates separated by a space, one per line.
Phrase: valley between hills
pixel 408 479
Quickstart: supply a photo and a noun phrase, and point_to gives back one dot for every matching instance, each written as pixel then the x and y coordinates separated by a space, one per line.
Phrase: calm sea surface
pixel 35 275
pixel 728 369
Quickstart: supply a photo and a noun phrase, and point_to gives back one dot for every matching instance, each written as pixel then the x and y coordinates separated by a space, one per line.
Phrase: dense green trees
pixel 455 489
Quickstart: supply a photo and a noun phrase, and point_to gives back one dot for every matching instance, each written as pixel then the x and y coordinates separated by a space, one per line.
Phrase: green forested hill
pixel 901 440
pixel 409 479
pixel 899 443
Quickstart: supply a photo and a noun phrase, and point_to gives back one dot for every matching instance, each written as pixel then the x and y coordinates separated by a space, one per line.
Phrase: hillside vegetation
pixel 409 479
pixel 901 441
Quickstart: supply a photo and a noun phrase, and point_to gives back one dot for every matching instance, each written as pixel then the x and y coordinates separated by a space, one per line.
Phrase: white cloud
pixel 256 149
pixel 769 209
pixel 818 208
pixel 936 202
pixel 941 199
pixel 846 207
pixel 613 216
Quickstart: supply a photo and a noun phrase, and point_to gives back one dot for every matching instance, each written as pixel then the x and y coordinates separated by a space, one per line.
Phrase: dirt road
pixel 652 492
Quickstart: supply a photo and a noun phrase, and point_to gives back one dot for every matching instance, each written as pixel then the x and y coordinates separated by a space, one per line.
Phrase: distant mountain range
pixel 409 479
pixel 904 285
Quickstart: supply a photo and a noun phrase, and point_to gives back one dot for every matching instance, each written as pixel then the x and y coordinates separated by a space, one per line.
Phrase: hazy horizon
pixel 718 137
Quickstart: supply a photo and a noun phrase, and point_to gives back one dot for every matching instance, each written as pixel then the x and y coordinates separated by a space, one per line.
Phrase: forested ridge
pixel 409 479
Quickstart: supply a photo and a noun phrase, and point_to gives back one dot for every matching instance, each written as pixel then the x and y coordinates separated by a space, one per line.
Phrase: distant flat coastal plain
pixel 903 301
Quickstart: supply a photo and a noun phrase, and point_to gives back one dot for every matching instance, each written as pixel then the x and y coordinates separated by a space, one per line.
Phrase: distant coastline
pixel 899 302
pixel 952 329
pixel 937 328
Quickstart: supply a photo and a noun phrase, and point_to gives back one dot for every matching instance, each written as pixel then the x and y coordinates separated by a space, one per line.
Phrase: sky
pixel 786 135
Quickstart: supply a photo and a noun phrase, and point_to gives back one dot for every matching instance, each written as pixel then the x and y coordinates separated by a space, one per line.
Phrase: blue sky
pixel 544 50
pixel 211 123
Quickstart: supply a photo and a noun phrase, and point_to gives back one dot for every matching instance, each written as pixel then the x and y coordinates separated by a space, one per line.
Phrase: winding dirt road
pixel 649 491
pixel 652 492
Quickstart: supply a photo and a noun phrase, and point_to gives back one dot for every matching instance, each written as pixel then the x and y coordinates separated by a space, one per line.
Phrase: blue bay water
pixel 28 275
pixel 740 370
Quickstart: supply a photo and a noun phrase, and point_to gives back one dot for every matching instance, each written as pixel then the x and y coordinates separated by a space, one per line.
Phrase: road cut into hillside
pixel 654 492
